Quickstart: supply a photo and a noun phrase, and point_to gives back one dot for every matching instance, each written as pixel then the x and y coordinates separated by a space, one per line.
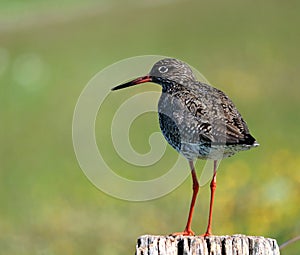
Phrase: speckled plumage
pixel 196 119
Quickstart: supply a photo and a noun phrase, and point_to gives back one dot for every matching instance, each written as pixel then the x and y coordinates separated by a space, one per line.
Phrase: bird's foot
pixel 186 232
pixel 207 233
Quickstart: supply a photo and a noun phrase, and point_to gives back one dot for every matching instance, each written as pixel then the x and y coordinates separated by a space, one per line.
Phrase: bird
pixel 198 120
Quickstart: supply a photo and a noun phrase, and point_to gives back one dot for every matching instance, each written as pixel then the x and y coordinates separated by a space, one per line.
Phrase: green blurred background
pixel 49 50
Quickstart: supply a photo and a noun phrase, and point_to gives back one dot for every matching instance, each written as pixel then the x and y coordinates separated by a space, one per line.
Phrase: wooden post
pixel 212 245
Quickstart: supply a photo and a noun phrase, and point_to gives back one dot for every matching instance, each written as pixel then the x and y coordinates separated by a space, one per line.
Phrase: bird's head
pixel 172 69
pixel 165 71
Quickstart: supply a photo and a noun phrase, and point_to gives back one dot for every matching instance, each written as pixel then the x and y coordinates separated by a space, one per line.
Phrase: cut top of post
pixel 211 245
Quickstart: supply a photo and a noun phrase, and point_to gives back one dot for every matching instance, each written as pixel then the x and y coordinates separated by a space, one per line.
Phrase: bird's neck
pixel 171 87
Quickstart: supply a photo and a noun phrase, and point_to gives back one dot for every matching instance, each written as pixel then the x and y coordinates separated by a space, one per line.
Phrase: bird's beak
pixel 136 81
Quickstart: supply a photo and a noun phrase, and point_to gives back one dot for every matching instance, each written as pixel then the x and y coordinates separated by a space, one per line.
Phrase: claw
pixel 207 234
pixel 184 233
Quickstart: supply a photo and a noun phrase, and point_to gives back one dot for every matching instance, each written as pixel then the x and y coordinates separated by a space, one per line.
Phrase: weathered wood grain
pixel 212 245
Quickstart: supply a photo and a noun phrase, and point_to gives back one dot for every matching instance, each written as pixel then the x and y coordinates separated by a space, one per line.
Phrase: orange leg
pixel 188 231
pixel 213 186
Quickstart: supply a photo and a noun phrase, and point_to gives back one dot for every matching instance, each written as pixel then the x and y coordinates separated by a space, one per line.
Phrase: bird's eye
pixel 163 69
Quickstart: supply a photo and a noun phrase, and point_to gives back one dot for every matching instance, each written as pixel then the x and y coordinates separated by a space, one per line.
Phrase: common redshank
pixel 197 120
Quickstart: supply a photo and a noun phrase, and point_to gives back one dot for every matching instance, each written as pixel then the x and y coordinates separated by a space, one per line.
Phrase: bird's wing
pixel 236 130
pixel 214 117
